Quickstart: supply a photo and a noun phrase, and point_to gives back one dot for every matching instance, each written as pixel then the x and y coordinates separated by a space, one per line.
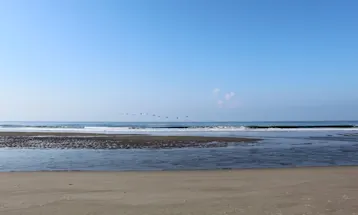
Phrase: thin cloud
pixel 229 96
pixel 225 100
pixel 216 91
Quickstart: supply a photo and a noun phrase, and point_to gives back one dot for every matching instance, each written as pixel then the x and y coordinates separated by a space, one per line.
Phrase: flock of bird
pixel 154 115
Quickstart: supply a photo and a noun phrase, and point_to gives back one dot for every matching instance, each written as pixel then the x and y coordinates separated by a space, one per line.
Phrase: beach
pixel 75 173
pixel 330 190
pixel 110 141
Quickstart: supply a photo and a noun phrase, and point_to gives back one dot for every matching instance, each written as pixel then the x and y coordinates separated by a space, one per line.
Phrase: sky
pixel 218 60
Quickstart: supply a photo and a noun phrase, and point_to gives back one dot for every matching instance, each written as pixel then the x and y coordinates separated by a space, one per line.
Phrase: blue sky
pixel 212 60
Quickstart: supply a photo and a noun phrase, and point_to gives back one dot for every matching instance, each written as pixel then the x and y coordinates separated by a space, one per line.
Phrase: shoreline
pixel 313 190
pixel 112 141
pixel 295 168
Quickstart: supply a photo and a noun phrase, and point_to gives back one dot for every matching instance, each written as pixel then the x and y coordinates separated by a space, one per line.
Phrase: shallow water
pixel 283 149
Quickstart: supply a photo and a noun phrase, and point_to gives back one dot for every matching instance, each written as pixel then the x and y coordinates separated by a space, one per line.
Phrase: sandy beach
pixel 110 141
pixel 332 190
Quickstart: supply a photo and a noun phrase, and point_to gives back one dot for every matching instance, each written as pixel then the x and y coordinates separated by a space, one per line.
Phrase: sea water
pixel 283 144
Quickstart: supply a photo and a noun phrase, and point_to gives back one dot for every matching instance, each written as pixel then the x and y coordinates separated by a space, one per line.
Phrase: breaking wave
pixel 152 127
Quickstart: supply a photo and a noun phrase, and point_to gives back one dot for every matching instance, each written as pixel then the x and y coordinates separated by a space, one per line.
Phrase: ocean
pixel 182 127
pixel 283 144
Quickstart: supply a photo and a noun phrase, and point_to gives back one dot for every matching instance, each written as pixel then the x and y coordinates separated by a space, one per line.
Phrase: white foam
pixel 126 130
pixel 100 128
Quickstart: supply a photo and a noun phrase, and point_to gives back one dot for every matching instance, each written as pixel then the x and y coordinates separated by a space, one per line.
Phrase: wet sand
pixel 332 190
pixel 108 141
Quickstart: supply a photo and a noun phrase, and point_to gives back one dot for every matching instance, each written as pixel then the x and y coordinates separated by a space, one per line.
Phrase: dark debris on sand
pixel 113 141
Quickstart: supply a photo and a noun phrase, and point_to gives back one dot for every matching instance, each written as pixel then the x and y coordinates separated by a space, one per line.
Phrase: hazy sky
pixel 212 60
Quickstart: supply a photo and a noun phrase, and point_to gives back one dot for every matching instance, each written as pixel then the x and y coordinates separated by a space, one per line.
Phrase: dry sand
pixel 261 192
